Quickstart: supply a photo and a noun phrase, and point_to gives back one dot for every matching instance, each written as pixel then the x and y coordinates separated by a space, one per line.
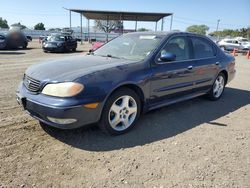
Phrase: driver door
pixel 174 79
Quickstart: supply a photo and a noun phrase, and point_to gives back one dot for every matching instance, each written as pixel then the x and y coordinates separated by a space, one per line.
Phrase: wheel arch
pixel 137 89
pixel 225 74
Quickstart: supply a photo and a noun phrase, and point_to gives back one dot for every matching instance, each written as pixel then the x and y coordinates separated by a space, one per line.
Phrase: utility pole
pixel 217 28
pixel 171 23
pixel 218 22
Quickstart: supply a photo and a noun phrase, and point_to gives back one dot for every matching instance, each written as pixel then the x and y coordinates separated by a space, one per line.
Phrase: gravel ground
pixel 197 143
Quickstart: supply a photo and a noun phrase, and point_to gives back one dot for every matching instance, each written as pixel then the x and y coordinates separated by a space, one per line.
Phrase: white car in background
pixel 238 43
pixel 229 44
pixel 243 42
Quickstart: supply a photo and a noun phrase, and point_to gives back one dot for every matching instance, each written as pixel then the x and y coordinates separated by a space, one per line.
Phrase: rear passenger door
pixel 205 63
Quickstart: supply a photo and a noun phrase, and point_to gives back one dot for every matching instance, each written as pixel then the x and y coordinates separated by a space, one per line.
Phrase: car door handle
pixel 190 67
pixel 217 63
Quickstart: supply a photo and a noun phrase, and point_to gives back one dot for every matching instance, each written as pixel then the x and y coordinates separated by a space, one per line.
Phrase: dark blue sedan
pixel 129 75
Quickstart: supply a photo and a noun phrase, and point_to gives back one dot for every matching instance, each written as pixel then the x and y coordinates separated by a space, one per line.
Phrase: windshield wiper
pixel 111 56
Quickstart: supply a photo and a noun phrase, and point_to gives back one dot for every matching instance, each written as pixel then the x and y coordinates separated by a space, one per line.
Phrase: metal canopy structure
pixel 121 16
pixel 126 16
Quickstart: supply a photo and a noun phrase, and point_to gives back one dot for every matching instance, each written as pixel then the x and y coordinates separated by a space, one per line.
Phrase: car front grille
pixel 31 84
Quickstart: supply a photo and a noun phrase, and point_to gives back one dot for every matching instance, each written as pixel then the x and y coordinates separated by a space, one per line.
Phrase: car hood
pixel 69 69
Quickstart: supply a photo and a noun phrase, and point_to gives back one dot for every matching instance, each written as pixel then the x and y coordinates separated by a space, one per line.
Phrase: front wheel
pixel 218 87
pixel 120 112
pixel 25 46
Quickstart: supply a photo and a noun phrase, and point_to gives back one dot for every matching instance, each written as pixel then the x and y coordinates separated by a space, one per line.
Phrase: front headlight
pixel 66 89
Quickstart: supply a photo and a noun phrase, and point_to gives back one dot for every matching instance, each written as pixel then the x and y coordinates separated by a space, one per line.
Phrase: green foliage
pixel 39 26
pixel 108 26
pixel 200 29
pixel 19 25
pixel 243 32
pixel 142 29
pixel 3 23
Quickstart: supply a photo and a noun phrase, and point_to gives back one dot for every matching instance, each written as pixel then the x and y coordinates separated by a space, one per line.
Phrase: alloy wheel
pixel 218 86
pixel 123 113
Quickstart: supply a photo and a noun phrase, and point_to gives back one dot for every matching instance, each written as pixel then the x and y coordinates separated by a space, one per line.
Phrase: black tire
pixel 48 128
pixel 104 123
pixel 74 49
pixel 212 95
pixel 25 45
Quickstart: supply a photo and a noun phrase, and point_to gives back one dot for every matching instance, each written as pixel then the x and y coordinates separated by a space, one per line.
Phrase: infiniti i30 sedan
pixel 131 74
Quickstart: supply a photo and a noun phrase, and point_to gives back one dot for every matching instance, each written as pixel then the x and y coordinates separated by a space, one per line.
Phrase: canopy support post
pixel 81 26
pixel 171 22
pixel 88 32
pixel 136 25
pixel 70 19
pixel 162 24
pixel 120 29
pixel 156 26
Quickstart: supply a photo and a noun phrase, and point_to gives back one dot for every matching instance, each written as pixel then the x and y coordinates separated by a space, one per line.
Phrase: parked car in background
pixel 3 41
pixel 13 40
pixel 96 45
pixel 245 44
pixel 133 73
pixel 29 38
pixel 59 43
pixel 229 44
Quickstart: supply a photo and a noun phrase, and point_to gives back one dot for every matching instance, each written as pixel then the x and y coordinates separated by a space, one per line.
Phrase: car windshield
pixel 130 46
pixel 56 38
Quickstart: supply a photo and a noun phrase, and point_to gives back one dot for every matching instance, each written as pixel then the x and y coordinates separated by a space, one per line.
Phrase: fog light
pixel 61 121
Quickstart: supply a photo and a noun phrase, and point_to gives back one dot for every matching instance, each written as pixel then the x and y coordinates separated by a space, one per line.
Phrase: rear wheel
pixel 218 87
pixel 120 112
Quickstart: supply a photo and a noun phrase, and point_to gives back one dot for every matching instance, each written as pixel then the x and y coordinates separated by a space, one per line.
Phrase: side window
pixel 178 46
pixel 202 48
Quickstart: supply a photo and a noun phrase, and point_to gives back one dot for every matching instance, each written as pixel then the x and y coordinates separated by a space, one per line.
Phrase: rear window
pixel 202 48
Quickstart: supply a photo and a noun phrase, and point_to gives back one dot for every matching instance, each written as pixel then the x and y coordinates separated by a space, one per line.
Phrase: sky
pixel 232 14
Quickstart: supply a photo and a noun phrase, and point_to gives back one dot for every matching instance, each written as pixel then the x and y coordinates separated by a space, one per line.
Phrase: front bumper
pixel 39 107
pixel 53 49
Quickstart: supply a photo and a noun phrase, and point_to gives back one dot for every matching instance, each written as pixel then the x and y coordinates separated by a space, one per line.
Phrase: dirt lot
pixel 197 143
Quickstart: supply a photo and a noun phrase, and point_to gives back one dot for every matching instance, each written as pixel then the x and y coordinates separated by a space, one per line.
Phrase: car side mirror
pixel 167 56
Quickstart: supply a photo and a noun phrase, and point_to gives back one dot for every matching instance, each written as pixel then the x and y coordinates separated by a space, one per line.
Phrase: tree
pixel 200 29
pixel 108 26
pixel 243 32
pixel 3 23
pixel 39 26
pixel 19 25
pixel 142 29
